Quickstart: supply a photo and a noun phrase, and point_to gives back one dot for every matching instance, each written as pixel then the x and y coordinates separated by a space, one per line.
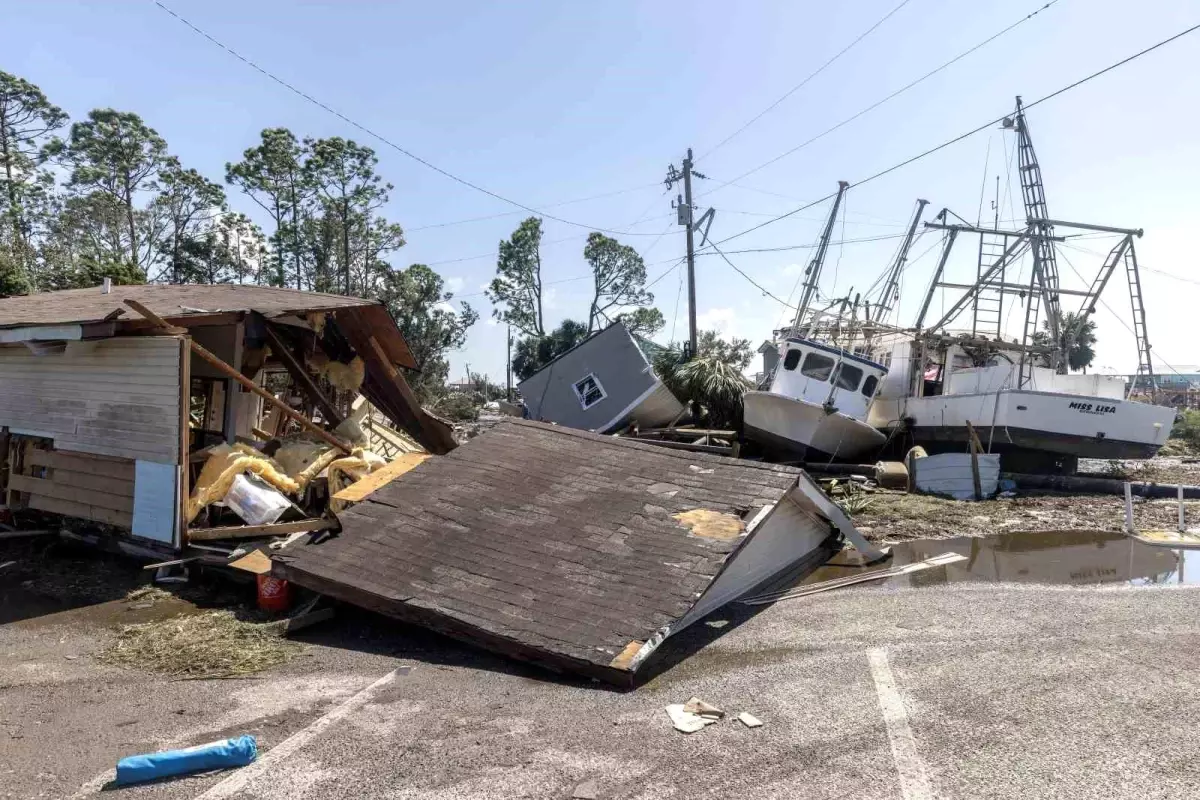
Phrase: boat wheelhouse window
pixel 817 366
pixel 589 391
pixel 869 385
pixel 792 359
pixel 847 377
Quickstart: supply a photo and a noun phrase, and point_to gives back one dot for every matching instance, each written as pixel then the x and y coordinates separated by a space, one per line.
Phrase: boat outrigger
pixel 832 395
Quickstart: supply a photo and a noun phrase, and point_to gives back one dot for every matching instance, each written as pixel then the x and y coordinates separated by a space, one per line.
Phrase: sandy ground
pixel 961 690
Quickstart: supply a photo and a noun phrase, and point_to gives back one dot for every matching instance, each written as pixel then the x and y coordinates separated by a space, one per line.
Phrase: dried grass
pixel 211 645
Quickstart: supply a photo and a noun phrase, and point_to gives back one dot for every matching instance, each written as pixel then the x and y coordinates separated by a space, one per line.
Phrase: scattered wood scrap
pixel 359 490
pixel 249 531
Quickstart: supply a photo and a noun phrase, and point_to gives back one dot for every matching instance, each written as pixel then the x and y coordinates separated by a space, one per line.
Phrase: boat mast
pixel 891 289
pixel 1044 283
pixel 812 275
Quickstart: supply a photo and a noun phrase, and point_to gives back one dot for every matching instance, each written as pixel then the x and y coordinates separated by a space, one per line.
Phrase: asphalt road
pixel 970 690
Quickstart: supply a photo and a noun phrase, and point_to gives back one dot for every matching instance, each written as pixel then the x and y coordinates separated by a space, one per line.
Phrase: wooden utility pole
pixel 686 218
pixel 683 206
pixel 508 395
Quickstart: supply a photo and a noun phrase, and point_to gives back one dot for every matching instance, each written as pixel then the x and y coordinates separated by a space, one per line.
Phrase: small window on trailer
pixel 589 391
pixel 817 367
pixel 792 359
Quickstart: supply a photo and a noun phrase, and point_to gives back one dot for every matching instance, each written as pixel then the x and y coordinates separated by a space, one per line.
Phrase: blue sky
pixel 549 102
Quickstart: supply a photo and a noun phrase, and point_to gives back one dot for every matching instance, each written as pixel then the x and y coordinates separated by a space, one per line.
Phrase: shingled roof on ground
pixel 569 549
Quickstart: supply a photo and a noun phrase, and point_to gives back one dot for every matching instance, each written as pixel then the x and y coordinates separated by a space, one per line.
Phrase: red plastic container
pixel 274 594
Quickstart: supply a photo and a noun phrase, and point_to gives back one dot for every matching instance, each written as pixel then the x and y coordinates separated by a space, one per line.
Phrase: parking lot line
pixel 914 782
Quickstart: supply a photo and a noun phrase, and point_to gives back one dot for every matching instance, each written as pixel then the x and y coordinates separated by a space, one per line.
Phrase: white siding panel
pixel 113 397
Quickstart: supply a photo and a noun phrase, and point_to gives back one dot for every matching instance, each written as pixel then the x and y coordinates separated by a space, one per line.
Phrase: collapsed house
pixel 113 398
pixel 602 384
pixel 569 549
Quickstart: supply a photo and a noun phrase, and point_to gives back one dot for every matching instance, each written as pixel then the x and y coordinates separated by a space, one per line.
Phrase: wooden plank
pixel 184 484
pixel 48 488
pixel 256 562
pixel 358 490
pixel 391 437
pixel 300 375
pixel 975 448
pixel 250 385
pixel 98 483
pixel 109 466
pixel 695 448
pixel 81 511
pixel 248 531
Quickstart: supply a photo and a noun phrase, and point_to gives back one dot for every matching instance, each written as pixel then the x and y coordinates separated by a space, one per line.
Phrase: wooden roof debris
pixel 560 547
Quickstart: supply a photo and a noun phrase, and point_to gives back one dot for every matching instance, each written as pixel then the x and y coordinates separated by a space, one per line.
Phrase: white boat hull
pixel 784 424
pixel 1053 422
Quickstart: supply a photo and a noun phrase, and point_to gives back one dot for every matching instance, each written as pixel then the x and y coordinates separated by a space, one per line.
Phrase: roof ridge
pixel 620 441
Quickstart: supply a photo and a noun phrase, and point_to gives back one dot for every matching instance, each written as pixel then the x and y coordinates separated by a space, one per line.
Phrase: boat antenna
pixel 812 275
pixel 891 288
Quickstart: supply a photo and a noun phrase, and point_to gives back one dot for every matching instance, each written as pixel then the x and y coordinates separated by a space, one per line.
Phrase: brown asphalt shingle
pixel 546 542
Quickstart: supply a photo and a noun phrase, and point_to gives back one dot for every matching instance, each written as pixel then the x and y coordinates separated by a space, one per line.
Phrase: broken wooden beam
pixel 300 375
pixel 695 448
pixel 253 387
pixel 249 531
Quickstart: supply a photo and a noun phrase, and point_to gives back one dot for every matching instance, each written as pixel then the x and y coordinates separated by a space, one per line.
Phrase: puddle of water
pixel 1072 558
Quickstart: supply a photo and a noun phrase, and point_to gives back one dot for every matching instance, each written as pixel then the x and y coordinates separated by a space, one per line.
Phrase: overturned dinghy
pixel 572 550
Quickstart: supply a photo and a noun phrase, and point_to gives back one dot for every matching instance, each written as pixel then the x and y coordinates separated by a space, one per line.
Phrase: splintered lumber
pixel 300 375
pixel 358 490
pixel 250 385
pixel 695 448
pixel 248 531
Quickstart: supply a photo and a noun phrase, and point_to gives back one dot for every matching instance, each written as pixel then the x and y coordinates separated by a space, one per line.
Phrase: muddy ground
pixel 897 517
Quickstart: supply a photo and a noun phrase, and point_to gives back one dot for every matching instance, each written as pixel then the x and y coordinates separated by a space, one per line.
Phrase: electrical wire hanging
pixel 380 137
pixel 802 83
pixel 886 99
pixel 966 135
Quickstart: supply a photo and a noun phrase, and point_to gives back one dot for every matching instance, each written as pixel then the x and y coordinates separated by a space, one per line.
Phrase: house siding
pixel 113 397
pixel 615 360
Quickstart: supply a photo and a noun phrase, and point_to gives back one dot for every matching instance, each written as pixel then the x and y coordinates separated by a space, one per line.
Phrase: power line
pixel 377 136
pixel 802 83
pixel 966 135
pixel 756 284
pixel 514 213
pixel 891 96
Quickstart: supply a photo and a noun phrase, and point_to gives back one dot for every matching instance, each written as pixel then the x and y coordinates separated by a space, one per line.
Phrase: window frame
pixel 874 386
pixel 582 396
pixel 787 356
pixel 837 376
pixel 810 355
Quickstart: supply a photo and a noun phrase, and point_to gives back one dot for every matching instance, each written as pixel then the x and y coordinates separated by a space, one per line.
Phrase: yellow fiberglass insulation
pixel 347 377
pixel 224 464
pixel 346 471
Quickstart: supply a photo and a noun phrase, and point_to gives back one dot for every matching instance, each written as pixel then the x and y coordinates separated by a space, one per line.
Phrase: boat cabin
pixel 825 375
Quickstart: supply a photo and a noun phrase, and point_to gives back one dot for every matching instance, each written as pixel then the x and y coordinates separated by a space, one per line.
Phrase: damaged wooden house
pixel 133 407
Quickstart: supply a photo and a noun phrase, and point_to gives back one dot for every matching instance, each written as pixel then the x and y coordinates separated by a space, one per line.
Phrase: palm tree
pixel 1076 335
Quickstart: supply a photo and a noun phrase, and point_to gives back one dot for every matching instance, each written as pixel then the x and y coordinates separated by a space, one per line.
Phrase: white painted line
pixel 914 783
pixel 242 778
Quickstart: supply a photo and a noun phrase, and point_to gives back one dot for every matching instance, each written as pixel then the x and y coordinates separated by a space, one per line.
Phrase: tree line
pixel 103 196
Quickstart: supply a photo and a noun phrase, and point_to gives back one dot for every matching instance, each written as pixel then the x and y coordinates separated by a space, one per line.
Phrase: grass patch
pixel 215 644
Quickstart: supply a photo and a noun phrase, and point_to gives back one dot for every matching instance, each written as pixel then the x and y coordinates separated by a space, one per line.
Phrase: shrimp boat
pixel 818 397
pixel 1018 393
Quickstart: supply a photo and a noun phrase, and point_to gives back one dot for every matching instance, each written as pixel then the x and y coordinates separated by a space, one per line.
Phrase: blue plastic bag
pixel 226 753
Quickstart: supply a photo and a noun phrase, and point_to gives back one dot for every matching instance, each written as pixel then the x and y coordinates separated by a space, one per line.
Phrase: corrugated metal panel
pixel 116 397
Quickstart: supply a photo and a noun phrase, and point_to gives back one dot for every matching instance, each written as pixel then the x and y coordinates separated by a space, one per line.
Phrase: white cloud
pixel 492 321
pixel 454 284
pixel 444 306
pixel 793 269
pixel 549 298
pixel 716 319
